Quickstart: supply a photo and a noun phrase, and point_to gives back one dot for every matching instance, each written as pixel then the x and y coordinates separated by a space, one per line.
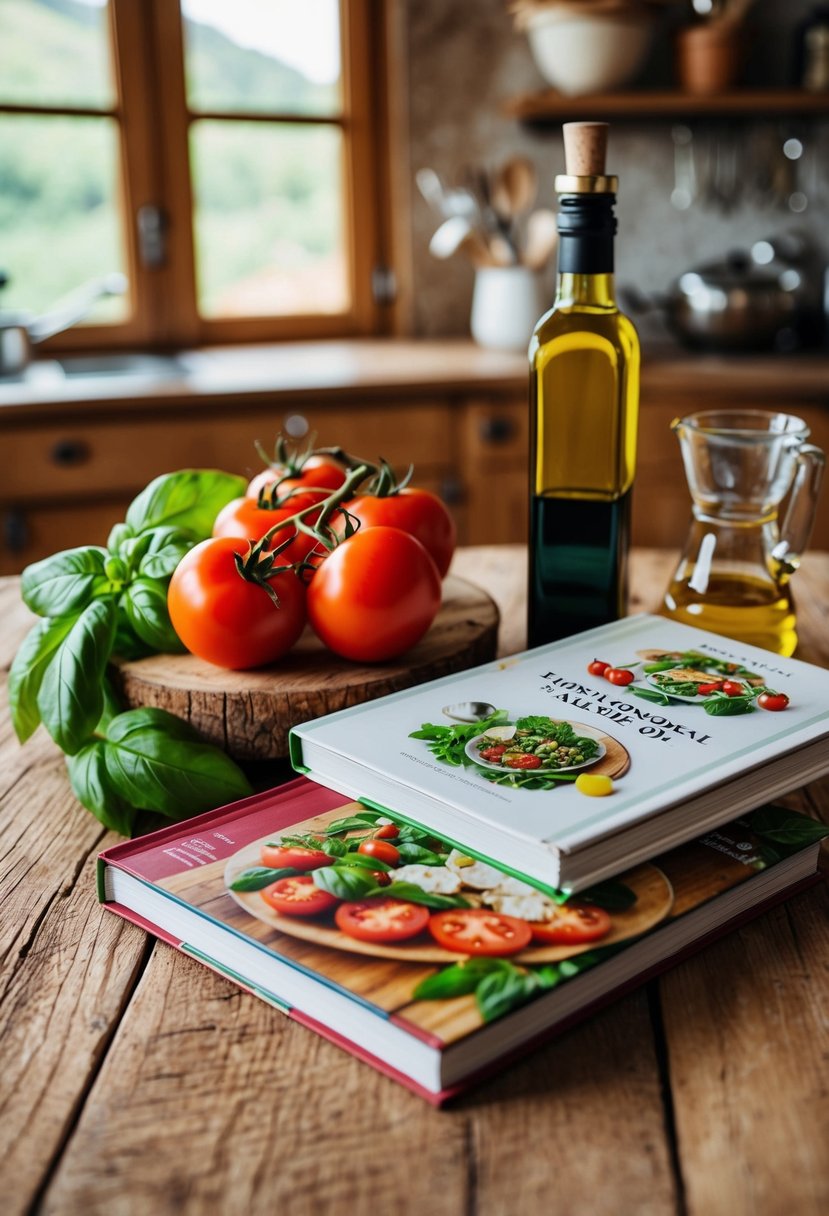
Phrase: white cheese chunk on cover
pixel 473 873
pixel 514 886
pixel 436 879
pixel 535 907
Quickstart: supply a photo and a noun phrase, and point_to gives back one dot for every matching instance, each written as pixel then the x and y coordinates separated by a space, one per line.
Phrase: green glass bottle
pixel 584 400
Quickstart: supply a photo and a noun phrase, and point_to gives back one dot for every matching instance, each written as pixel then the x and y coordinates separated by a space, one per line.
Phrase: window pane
pixel 269 224
pixel 263 56
pixel 58 209
pixel 55 53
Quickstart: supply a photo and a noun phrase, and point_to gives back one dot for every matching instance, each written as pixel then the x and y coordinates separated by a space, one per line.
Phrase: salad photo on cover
pixel 534 752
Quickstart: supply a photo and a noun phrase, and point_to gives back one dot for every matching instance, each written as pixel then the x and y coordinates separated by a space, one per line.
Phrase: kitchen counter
pixel 324 371
pixel 136 1080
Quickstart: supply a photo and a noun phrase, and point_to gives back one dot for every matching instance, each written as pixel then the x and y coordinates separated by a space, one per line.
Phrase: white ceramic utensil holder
pixel 506 303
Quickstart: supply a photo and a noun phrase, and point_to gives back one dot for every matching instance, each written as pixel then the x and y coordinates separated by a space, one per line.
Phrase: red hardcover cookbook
pixel 422 960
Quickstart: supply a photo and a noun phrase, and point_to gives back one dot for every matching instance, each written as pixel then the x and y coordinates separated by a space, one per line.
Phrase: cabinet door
pixel 494 447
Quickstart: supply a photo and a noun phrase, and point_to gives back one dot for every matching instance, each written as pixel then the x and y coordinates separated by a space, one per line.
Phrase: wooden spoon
pixel 542 238
pixel 514 187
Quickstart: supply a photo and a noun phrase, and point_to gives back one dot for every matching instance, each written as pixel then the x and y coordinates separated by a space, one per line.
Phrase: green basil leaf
pixel 148 717
pixel 414 854
pixel 145 606
pixel 64 583
pixel 416 895
pixel 166 548
pixel 724 706
pixel 783 827
pixel 360 859
pixel 28 669
pixel 71 697
pixel 459 979
pixel 650 694
pixel 94 789
pixel 189 499
pixel 156 765
pixel 611 894
pixel 503 991
pixel 345 882
pixel 351 823
pixel 118 536
pixel 259 877
pixel 582 962
pixel 111 707
pixel 127 642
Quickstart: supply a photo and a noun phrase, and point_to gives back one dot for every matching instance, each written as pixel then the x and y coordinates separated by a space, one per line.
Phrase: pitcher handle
pixel 797 526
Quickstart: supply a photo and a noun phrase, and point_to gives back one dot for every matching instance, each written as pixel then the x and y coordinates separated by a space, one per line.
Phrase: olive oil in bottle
pixel 584 398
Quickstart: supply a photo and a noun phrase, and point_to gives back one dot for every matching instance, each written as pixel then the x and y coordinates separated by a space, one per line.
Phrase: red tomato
pixel 619 675
pixel 478 931
pixel 382 878
pixel 374 596
pixel 293 857
pixel 493 754
pixel 705 690
pixel 572 925
pixel 775 701
pixel 597 667
pixel 732 688
pixel 381 849
pixel 297 896
pixel 386 831
pixel 227 620
pixel 523 760
pixel 245 519
pixel 417 512
pixel 317 471
pixel 381 920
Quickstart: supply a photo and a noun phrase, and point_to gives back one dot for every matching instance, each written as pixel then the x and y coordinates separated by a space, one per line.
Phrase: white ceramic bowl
pixel 579 54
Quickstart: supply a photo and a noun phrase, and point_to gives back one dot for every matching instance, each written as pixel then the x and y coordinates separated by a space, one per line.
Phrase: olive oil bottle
pixel 584 400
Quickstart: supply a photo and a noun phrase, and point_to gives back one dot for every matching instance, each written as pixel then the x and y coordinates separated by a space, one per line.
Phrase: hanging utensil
pixel 684 192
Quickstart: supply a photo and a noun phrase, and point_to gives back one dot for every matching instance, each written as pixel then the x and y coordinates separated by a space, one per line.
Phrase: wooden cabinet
pixel 458 413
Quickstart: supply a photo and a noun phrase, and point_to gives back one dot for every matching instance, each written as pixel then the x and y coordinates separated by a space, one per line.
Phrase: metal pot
pixel 755 301
pixel 19 331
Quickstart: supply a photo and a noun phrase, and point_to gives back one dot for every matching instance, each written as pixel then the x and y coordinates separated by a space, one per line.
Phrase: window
pixel 223 156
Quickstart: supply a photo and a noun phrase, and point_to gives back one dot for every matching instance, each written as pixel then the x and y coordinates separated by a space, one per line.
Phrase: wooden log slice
pixel 249 713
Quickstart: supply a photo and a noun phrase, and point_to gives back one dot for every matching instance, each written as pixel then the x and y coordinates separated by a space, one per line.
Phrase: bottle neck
pixel 587 290
pixel 586 227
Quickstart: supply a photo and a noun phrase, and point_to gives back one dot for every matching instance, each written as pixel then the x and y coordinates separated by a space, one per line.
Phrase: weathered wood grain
pixel 184 1094
pixel 249 713
pixel 747 1028
pixel 210 1101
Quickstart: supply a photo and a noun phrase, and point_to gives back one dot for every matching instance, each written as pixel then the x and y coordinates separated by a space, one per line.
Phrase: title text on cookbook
pixel 653 726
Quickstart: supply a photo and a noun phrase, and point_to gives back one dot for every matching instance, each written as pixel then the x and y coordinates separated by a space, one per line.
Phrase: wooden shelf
pixel 549 106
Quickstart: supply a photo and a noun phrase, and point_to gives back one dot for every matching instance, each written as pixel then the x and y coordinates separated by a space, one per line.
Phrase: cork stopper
pixel 585 152
pixel 585 148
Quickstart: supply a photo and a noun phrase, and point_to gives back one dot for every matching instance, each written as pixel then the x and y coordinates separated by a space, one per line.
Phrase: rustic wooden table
pixel 136 1081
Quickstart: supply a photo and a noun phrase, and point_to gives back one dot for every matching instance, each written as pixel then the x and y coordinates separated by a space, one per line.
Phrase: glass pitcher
pixel 733 577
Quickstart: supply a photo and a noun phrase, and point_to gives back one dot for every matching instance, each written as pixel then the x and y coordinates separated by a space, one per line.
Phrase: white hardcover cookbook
pixel 495 758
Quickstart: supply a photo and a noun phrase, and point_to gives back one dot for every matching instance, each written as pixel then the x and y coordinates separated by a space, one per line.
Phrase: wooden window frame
pixel 154 122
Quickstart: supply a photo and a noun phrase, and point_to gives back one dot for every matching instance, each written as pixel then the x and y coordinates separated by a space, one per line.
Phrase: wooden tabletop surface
pixel 134 1080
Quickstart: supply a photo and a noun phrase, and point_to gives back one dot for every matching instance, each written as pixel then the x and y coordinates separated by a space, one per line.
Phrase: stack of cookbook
pixel 467 867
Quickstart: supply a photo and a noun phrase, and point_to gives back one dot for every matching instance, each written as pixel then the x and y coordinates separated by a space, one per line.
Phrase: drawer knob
pixel 15 530
pixel 70 452
pixel 497 429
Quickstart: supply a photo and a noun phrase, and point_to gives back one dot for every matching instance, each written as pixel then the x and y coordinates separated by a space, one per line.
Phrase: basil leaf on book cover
pixel 28 669
pixel 259 877
pixel 94 788
pixel 156 763
pixel 781 827
pixel 344 882
pixel 414 854
pixel 503 991
pixel 413 894
pixel 352 823
pixel 611 894
pixel 458 979
pixel 65 582
pixel 71 698
pixel 145 606
pixel 190 499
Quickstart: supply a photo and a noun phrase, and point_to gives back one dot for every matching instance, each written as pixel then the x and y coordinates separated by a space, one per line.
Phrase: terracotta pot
pixel 709 56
